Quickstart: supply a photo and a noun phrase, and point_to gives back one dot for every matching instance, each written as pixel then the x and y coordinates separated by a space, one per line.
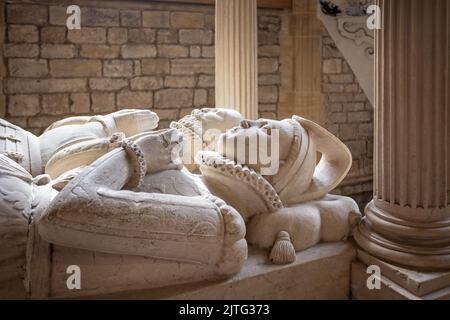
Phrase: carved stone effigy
pixel 113 190
pixel 200 130
pixel 289 210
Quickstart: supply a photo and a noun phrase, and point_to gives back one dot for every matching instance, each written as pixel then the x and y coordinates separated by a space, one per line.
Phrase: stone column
pixel 408 222
pixel 237 56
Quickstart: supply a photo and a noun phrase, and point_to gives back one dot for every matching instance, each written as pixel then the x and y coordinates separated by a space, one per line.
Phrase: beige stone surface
pixel 124 40
pixel 407 222
pixel 418 283
pixel 356 42
pixel 321 272
pixel 389 289
pixel 236 56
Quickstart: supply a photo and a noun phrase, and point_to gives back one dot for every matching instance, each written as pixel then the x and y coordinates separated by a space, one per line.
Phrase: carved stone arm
pixel 93 213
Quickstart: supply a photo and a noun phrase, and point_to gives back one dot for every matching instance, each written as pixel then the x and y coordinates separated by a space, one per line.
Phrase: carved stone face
pixel 161 149
pixel 278 134
pixel 217 118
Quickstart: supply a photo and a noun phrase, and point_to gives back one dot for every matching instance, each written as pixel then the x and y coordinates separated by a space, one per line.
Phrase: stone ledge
pixel 418 283
pixel 322 272
pixel 389 289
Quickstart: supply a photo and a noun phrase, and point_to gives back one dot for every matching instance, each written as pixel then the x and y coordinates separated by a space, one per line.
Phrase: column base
pixel 421 246
pixel 397 283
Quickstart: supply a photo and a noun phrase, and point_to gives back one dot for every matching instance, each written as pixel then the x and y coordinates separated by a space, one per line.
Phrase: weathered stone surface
pixel 267 65
pixel 269 79
pixel 58 51
pixel 156 19
pixel 118 68
pixel 103 102
pixel 268 94
pixel 341 78
pixel 87 35
pixel 267 38
pixel 41 122
pixel 67 85
pixel 155 66
pixel 99 17
pixel 117 35
pixel 75 68
pixel 267 108
pixel 167 36
pixel 25 13
pixel 348 131
pixel 208 51
pixel 332 66
pixel 45 85
pixel 332 88
pixel 28 68
pixel 146 83
pixel 107 84
pixel 53 34
pixel 195 51
pixel 130 18
pixel 269 51
pixel 211 97
pixel 23 105
pixel 58 15
pixel 167 114
pixel 192 66
pixel 173 51
pixel 79 103
pixel 327 267
pixel 204 37
pixel 200 98
pixel 138 51
pixel 99 51
pixel 174 98
pixel 142 36
pixel 338 117
pixel 27 34
pixel 21 50
pixel 137 68
pixel 55 104
pixel 187 20
pixel 135 99
pixel 363 116
pixel 210 21
pixel 271 23
pixel 267 115
pixel 206 81
pixel 179 82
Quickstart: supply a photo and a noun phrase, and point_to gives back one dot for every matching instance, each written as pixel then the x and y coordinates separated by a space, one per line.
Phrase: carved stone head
pixel 293 144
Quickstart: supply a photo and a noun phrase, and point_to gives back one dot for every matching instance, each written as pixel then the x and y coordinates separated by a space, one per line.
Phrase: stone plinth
pixel 397 283
pixel 321 272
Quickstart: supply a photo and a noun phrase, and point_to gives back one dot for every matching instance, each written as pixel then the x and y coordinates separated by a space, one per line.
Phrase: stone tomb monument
pixel 112 196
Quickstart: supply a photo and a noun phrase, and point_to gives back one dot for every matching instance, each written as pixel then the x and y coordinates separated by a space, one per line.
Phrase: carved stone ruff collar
pixel 242 175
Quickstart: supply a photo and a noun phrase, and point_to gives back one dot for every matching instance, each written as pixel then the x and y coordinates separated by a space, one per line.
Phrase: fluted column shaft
pixel 237 56
pixel 409 220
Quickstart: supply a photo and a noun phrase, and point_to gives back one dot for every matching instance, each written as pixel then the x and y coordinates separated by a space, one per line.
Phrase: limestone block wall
pixel 158 56
pixel 349 115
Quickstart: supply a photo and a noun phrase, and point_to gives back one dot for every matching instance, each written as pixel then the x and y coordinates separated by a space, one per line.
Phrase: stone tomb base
pixel 398 283
pixel 322 272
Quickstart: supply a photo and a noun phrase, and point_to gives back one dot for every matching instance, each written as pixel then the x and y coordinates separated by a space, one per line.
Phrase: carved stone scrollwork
pixel 354 40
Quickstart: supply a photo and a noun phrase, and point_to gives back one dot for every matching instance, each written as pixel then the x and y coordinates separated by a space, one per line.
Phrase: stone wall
pixel 348 115
pixel 158 56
